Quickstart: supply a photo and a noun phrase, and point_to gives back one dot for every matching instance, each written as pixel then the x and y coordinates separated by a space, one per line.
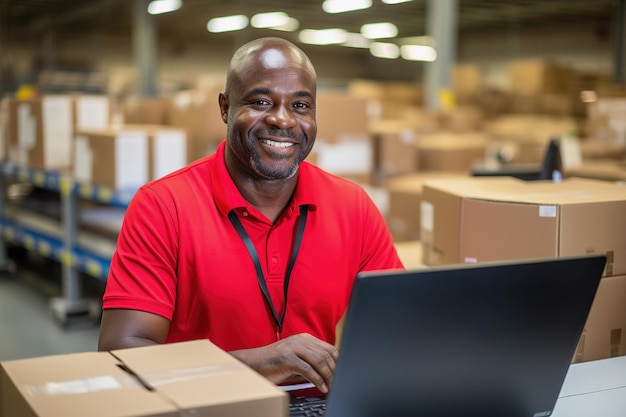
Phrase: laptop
pixel 487 339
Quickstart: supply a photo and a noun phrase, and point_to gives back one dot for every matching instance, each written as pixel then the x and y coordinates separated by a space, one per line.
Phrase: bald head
pixel 266 53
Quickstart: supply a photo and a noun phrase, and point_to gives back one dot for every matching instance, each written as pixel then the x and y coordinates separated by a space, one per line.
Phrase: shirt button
pixel 245 214
pixel 274 260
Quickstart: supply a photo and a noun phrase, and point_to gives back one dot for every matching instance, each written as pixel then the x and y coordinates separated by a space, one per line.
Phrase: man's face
pixel 271 114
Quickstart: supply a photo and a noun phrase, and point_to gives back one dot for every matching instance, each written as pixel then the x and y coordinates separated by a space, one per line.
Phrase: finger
pixel 320 358
pixel 307 371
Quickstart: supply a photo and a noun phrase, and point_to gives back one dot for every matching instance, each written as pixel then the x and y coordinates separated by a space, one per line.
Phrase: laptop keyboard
pixel 307 407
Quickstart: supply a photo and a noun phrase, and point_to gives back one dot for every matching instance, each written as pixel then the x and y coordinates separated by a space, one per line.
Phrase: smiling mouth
pixel 277 144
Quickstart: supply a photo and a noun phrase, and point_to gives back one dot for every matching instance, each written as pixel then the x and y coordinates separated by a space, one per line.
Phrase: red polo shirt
pixel 179 256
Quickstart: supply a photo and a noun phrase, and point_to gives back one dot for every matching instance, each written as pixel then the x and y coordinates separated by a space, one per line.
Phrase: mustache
pixel 280 133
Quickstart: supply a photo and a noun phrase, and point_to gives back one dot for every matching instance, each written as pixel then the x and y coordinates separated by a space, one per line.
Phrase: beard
pixel 275 171
pixel 278 166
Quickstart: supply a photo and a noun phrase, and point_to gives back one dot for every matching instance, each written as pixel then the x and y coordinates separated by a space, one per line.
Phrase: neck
pixel 270 197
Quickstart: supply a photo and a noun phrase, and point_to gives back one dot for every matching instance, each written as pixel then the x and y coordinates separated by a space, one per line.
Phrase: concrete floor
pixel 27 327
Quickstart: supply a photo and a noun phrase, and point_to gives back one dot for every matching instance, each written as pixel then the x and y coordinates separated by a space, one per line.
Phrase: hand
pixel 291 359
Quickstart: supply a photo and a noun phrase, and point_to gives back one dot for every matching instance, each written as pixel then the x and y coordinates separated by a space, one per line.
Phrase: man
pixel 250 247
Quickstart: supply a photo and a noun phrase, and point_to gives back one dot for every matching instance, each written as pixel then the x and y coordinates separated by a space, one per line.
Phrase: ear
pixel 223 102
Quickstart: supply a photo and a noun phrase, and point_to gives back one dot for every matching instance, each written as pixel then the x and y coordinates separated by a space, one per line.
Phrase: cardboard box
pixel 390 91
pixel 530 128
pixel 366 89
pixel 410 253
pixel 395 150
pixel 607 170
pixel 41 130
pixel 604 335
pixel 602 150
pixel 606 120
pixel 405 198
pixel 190 378
pixel 91 111
pixel 146 110
pixel 451 151
pixel 462 119
pixel 419 119
pixel 4 128
pixel 499 218
pixel 349 157
pixel 341 116
pixel 467 82
pixel 198 112
pixel 127 157
pixel 535 77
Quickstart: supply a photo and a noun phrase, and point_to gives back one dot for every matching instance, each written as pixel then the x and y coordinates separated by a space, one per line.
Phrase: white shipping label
pixel 83 160
pixel 427 220
pixel 57 130
pixel 547 211
pixel 26 127
pixel 170 152
pixel 131 159
pixel 349 156
pixel 92 112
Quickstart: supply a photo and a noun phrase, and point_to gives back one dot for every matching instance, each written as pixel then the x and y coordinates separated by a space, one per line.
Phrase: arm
pixel 140 291
pixel 121 328
pixel 294 359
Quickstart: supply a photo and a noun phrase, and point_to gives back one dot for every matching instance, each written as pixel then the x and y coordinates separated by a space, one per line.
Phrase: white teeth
pixel 277 144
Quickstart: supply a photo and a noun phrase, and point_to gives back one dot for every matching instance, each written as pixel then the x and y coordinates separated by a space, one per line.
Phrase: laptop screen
pixel 489 339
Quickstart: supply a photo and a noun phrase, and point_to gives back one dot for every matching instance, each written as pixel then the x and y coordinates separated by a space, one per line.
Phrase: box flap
pixel 76 385
pixel 508 189
pixel 199 376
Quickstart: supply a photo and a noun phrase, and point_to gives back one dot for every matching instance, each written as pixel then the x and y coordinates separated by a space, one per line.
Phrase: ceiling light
pixel 269 20
pixel 322 36
pixel 356 40
pixel 395 1
pixel 227 23
pixel 385 50
pixel 163 6
pixel 418 53
pixel 291 25
pixel 379 30
pixel 341 6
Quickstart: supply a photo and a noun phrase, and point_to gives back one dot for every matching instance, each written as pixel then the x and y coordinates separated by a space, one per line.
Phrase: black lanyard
pixel 257 264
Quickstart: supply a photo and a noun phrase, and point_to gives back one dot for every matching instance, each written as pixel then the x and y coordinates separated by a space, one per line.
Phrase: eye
pixel 301 105
pixel 260 102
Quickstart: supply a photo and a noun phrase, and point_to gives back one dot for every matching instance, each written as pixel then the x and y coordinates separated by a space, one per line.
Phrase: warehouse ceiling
pixel 29 20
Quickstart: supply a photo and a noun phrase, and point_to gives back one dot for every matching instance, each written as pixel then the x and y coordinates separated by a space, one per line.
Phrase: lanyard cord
pixel 232 216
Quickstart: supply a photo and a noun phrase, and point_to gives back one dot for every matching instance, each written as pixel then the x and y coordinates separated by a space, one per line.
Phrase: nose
pixel 281 117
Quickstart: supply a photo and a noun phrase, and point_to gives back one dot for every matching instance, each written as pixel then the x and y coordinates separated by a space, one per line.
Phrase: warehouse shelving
pixel 77 250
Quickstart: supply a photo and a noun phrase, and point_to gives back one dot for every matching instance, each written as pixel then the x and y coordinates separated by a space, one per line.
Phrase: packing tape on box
pixel 131 379
pixel 172 376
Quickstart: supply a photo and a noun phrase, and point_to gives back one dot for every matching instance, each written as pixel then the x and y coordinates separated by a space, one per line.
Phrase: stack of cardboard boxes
pixel 471 220
pixel 127 156
pixel 79 136
pixel 39 132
